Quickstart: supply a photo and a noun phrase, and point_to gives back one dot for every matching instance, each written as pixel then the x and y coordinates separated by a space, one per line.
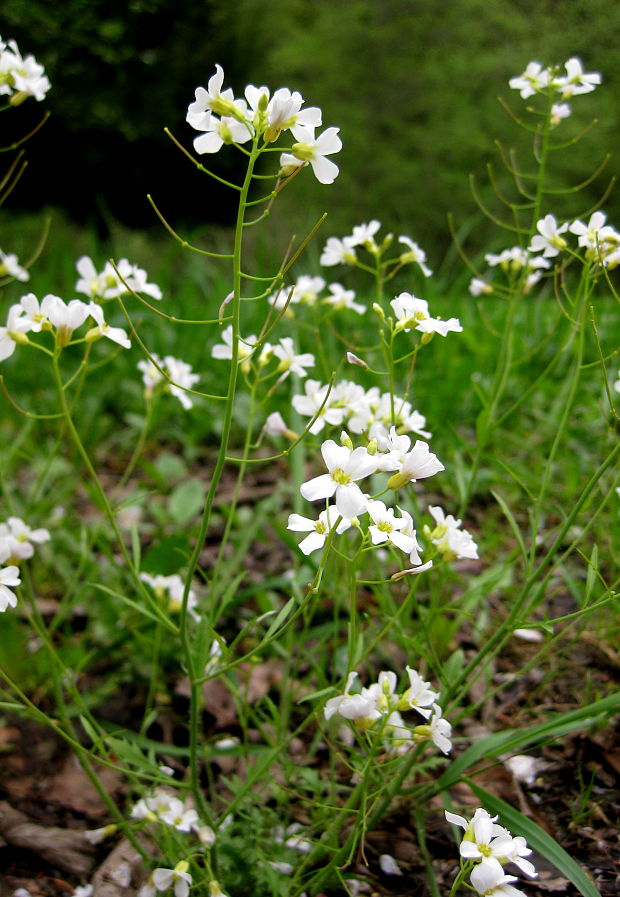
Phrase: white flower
pixel 246 346
pixel 9 579
pixel 417 464
pixel 179 877
pixel 151 375
pixel 9 265
pixel 116 334
pixel 488 878
pixel 17 537
pixel 182 378
pixel 314 150
pixel 412 314
pixel 214 99
pixel 576 81
pixel 478 287
pixel 289 360
pixel 440 730
pixel 21 77
pixel 548 239
pixel 310 404
pixel 451 541
pixel 318 529
pixel 345 467
pixel 533 80
pixel 221 131
pixel 558 112
pixel 341 299
pixel 387 528
pixel 414 254
pixel 419 696
pixel 135 279
pixel 172 587
pixel 178 817
pixel 598 239
pixel 284 112
pixel 363 235
pixel 338 252
pixel 353 707
pixel 483 840
pixel 65 317
pixel 17 326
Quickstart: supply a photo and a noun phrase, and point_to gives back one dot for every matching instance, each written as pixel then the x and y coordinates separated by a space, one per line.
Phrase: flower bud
pixel 426 338
pixel 93 335
pixel 18 98
pixel 371 448
pixel 378 311
pixel 20 338
pixel 345 439
pixel 355 359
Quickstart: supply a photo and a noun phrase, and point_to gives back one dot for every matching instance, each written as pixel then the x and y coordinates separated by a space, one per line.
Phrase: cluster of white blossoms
pixel 17 543
pixel 599 242
pixel 288 360
pixel 226 120
pixel 555 83
pixel 61 318
pixel 20 77
pixel 163 808
pixel 378 709
pixel 362 410
pixel 10 267
pixel 342 250
pixel 514 263
pixel 171 589
pixel 307 291
pixel 107 284
pixel 170 375
pixel 412 313
pixel 491 847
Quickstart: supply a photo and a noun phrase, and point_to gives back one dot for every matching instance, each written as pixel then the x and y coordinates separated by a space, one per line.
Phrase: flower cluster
pixel 378 709
pixel 289 361
pixel 17 543
pixel 412 314
pixel 53 314
pixel 451 541
pixel 260 116
pixel 10 267
pixel 553 82
pixel 171 588
pixel 20 77
pixel 307 289
pixel 342 250
pixel 108 284
pixel 600 243
pixel 490 847
pixel 363 411
pixel 171 375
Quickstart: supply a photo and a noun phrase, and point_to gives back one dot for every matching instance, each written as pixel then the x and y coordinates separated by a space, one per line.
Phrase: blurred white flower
pixel 9 266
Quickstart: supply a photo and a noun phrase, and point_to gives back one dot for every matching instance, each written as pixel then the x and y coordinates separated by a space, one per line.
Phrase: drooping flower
pixel 9 266
pixel 102 328
pixel 419 696
pixel 414 254
pixel 178 877
pixel 17 326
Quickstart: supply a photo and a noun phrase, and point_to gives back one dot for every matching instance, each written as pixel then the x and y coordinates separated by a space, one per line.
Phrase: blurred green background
pixel 413 85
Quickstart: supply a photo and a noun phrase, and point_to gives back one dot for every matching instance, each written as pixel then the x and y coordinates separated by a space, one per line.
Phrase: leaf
pixel 538 839
pixel 186 500
pixel 513 523
pixel 515 740
pixel 166 557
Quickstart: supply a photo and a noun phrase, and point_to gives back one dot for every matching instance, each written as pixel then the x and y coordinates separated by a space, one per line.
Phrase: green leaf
pixel 186 500
pixel 538 839
pixel 513 523
pixel 513 741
